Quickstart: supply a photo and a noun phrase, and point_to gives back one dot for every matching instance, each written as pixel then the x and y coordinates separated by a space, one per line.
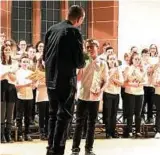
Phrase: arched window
pixel 83 27
pixel 50 14
pixel 21 25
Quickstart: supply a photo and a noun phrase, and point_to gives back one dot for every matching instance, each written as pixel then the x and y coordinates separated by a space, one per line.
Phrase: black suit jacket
pixel 63 54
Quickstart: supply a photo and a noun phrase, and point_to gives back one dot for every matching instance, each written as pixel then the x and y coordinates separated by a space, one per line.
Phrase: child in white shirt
pixel 25 98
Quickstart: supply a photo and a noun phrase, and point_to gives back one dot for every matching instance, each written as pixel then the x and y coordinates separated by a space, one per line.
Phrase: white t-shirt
pixel 25 93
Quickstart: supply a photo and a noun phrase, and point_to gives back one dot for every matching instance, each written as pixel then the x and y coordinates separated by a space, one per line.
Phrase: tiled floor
pixel 101 147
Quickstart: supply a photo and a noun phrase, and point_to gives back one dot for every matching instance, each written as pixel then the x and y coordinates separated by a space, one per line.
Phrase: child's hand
pixel 33 85
pixel 133 84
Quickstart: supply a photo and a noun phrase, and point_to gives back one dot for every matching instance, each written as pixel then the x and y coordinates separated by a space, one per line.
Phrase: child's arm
pixel 20 83
pixel 80 74
pixel 41 83
pixel 23 85
pixel 155 80
pixel 12 77
pixel 3 76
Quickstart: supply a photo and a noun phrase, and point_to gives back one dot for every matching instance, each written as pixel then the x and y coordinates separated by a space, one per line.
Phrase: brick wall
pixel 5 11
pixel 102 20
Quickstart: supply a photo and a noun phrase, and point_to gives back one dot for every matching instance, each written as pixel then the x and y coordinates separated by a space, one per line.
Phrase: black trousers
pixel 149 101
pixel 91 109
pixel 34 105
pixel 61 106
pixel 23 108
pixel 43 116
pixel 7 112
pixel 110 104
pixel 124 104
pixel 157 103
pixel 134 107
pixel 8 97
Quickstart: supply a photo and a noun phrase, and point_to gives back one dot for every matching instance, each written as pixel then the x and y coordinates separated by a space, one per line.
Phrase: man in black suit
pixel 63 54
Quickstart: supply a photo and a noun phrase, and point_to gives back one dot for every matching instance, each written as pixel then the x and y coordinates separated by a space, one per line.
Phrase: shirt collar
pixel 69 22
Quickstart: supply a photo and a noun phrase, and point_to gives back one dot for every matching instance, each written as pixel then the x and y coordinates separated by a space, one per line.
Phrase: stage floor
pixel 101 147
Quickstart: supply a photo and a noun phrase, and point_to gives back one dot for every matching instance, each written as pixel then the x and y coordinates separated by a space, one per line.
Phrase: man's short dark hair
pixel 75 12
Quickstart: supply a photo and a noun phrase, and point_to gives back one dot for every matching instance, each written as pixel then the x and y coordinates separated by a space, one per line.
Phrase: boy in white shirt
pixel 93 79
pixel 25 98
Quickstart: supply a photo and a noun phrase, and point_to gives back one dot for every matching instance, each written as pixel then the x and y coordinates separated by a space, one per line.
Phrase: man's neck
pixel 72 22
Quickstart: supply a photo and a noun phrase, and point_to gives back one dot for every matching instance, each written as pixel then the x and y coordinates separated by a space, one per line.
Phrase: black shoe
pixel 84 136
pixel 20 139
pixel 108 136
pixel 43 137
pixel 89 153
pixel 27 138
pixel 3 139
pixel 32 123
pixel 150 121
pixel 8 133
pixel 47 150
pixel 139 135
pixel 75 151
pixel 115 136
pixel 125 121
pixel 50 152
pixel 9 138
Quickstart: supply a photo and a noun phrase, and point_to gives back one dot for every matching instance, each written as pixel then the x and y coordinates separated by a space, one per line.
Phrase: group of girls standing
pixel 18 93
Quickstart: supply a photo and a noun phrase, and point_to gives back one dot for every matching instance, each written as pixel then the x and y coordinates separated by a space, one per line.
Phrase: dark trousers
pixel 61 106
pixel 7 112
pixel 85 127
pixel 157 103
pixel 23 108
pixel 43 116
pixel 15 111
pixel 8 96
pixel 83 108
pixel 134 107
pixel 34 105
pixel 149 101
pixel 110 104
pixel 124 104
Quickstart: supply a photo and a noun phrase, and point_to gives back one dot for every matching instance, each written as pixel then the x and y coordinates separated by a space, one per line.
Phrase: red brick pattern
pixel 64 9
pixel 36 36
pixel 5 11
pixel 103 21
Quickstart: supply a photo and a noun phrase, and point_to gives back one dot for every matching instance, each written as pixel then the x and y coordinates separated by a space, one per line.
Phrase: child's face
pixel 25 63
pixel 92 49
pixel 7 51
pixel 41 47
pixel 145 55
pixel 22 45
pixel 31 53
pixel 109 51
pixel 153 50
pixel 112 60
pixel 136 60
